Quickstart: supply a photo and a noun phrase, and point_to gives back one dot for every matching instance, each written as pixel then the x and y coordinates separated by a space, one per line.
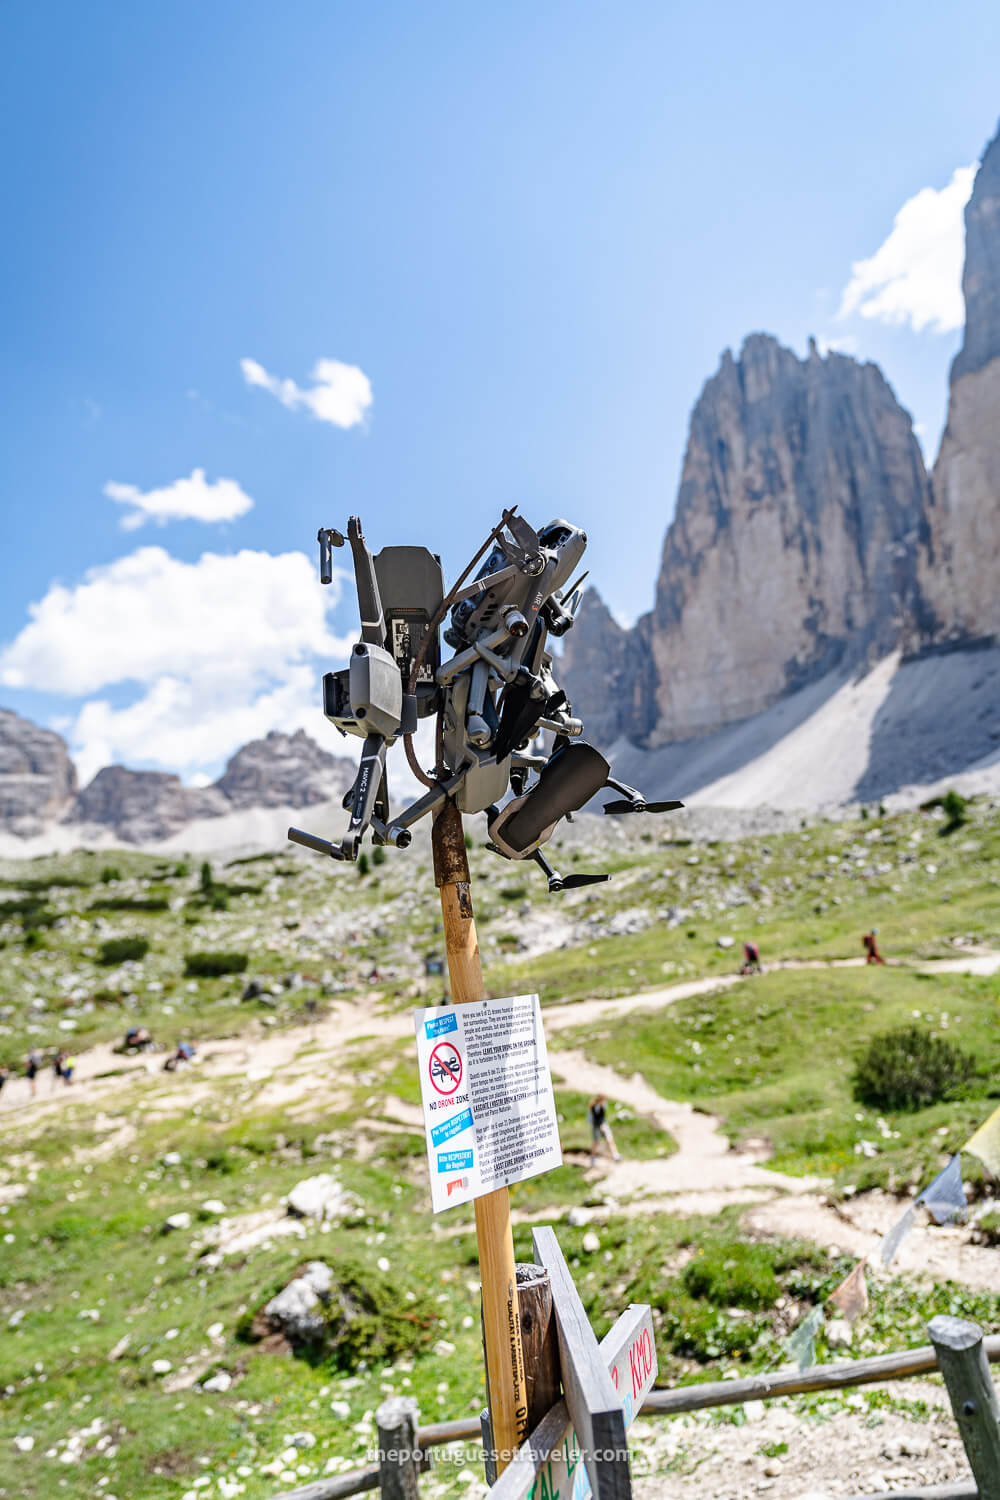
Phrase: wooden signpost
pixel 579 1448
pixel 497 1270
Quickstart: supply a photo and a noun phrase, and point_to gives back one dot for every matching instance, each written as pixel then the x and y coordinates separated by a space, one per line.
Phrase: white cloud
pixel 341 394
pixel 915 276
pixel 222 650
pixel 193 499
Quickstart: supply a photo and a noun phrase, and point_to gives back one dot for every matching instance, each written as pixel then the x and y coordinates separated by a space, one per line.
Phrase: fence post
pixel 541 1343
pixel 962 1361
pixel 541 1356
pixel 396 1420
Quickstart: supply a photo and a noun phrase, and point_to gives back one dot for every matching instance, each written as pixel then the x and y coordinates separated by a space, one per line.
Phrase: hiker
pixel 137 1039
pixel 751 959
pixel 68 1064
pixel 873 956
pixel 33 1068
pixel 57 1067
pixel 184 1052
pixel 599 1127
pixel 4 1075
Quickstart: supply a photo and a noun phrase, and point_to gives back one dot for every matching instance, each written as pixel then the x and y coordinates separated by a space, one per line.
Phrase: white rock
pixel 591 1243
pixel 302 1439
pixel 162 1367
pixel 577 1217
pixel 214 1330
pixel 382 1263
pixel 340 1409
pixel 321 1197
pixel 724 942
pixel 838 1333
pixel 297 1308
pixel 24 1442
pixel 172 1159
pixel 220 1381
pixel 178 1221
pixel 213 1206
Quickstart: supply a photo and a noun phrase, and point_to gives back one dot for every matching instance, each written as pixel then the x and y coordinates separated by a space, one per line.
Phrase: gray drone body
pixel 492 698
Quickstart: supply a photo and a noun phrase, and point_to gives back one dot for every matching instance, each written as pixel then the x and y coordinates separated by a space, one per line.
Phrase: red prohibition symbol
pixel 445 1067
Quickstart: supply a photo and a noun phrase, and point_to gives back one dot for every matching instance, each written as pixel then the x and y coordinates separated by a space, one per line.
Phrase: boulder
pixel 297 1311
pixel 322 1197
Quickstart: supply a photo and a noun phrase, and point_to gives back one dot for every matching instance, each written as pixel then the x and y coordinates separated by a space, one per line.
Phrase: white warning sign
pixel 489 1113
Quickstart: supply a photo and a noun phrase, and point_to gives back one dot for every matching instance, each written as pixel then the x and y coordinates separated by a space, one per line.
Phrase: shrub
pixel 363 864
pixel 118 950
pixel 211 965
pixel 205 879
pixel 956 810
pixel 130 903
pixel 110 874
pixel 908 1068
pixel 378 855
pixel 733 1274
pixel 181 870
pixel 513 892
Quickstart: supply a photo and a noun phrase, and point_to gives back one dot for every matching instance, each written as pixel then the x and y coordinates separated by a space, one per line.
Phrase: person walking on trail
pixel 751 959
pixel 872 955
pixel 57 1067
pixel 4 1075
pixel 33 1069
pixel 600 1130
pixel 68 1064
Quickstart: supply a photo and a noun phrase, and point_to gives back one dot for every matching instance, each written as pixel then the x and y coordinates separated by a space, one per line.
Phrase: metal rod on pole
pixel 505 1381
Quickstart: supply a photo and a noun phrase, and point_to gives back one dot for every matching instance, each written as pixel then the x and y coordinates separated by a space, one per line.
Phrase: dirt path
pixel 293 1069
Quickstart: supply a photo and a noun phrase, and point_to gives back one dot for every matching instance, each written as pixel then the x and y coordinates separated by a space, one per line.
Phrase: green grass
pixel 774 1057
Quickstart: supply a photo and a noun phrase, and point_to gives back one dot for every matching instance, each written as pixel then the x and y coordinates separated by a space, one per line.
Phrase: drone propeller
pixel 559 882
pixel 526 550
pixel 573 882
pixel 641 806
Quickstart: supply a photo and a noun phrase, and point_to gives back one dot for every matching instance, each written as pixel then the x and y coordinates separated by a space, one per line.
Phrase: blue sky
pixel 527 231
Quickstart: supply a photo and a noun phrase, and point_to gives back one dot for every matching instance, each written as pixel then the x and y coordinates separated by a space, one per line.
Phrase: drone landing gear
pixel 559 882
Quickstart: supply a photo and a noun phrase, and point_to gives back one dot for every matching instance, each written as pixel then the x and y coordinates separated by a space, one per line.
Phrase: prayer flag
pixel 944 1199
pixel 800 1343
pixel 986 1143
pixel 897 1234
pixel 851 1296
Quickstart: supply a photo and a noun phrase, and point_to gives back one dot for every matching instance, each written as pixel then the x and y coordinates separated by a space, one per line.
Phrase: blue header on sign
pixel 441 1025
pixel 454 1126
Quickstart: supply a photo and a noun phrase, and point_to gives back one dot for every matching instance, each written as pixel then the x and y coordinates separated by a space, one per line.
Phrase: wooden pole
pixel 501 1318
pixel 962 1358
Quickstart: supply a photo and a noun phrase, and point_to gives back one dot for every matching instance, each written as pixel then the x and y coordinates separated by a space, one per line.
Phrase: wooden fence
pixel 562 1350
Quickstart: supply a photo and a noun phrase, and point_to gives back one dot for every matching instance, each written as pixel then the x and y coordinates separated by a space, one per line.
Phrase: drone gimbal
pixel 491 699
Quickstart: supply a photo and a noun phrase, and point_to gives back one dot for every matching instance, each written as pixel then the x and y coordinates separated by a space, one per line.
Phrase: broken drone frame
pixel 491 698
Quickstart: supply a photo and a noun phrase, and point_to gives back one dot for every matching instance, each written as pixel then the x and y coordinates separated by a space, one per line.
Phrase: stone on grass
pixel 591 1243
pixel 837 1333
pixel 298 1309
pixel 321 1197
pixel 220 1381
pixel 177 1221
pixel 162 1367
pixel 724 942
pixel 213 1206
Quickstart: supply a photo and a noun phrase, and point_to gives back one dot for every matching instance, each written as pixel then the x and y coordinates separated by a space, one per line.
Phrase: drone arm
pixel 310 841
pixel 365 793
pixel 369 601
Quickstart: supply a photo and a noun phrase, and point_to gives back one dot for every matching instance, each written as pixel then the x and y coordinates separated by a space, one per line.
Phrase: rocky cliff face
pixel 37 777
pixel 960 565
pixel 284 770
pixel 38 785
pixel 794 545
pixel 143 806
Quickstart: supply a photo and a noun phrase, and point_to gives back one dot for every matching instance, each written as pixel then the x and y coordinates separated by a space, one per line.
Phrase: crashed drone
pixel 492 699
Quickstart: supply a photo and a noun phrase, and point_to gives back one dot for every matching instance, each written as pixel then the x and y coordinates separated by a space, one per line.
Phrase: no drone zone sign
pixel 489 1113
